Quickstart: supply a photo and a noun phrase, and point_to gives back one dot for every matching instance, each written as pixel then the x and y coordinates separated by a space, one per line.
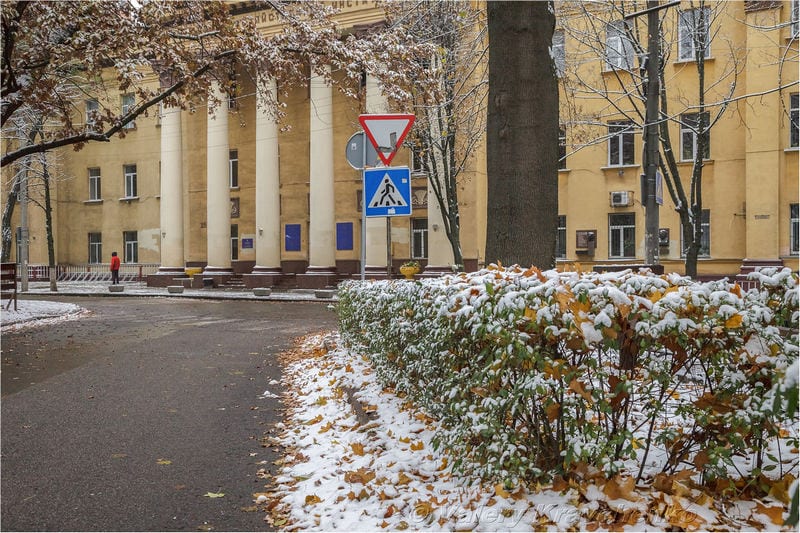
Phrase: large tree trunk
pixel 522 135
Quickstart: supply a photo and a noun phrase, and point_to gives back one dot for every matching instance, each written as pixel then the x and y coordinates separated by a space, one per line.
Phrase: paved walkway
pixel 101 288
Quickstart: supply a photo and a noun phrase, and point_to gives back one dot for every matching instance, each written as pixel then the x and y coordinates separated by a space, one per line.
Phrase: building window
pixel 794 229
pixel 562 148
pixel 619 48
pixel 131 241
pixel 92 108
pixel 418 163
pixel 795 18
pixel 561 237
pixel 693 33
pixel 559 57
pixel 233 168
pixel 95 192
pixel 128 101
pixel 233 96
pixel 234 242
pixel 620 143
pixel 794 119
pixel 705 237
pixel 419 238
pixel 622 235
pixel 95 248
pixel 130 180
pixel 689 128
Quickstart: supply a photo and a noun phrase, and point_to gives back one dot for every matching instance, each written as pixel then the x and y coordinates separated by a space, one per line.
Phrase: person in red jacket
pixel 114 268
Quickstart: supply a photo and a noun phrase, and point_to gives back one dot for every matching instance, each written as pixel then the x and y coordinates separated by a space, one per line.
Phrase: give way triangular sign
pixel 386 132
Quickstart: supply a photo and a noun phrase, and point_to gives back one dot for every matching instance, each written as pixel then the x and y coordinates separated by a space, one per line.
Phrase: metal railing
pixel 92 272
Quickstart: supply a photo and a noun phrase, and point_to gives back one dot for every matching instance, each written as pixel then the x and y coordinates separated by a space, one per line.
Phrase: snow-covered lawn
pixel 36 313
pixel 379 471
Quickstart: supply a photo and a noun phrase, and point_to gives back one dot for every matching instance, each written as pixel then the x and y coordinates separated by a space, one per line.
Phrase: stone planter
pixel 324 293
pixel 116 288
pixel 175 289
pixel 262 291
pixel 409 271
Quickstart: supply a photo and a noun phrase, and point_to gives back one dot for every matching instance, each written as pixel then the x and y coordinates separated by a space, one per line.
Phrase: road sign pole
pixel 363 214
pixel 389 247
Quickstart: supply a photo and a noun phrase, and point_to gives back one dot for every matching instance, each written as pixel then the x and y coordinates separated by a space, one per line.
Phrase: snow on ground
pixel 360 458
pixel 30 313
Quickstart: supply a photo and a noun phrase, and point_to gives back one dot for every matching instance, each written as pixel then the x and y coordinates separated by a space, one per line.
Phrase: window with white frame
pixel 95 191
pixel 690 126
pixel 562 148
pixel 419 238
pixel 621 235
pixel 130 180
pixel 131 241
pixel 620 143
pixel 559 56
pixel 705 235
pixel 233 168
pixel 128 101
pixel 619 48
pixel 418 163
pixel 561 237
pixel 234 242
pixel 794 229
pixel 92 109
pixel 794 119
pixel 693 33
pixel 95 248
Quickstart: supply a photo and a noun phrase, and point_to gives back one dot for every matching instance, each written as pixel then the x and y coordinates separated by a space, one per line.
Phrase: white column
pixel 218 199
pixel 171 206
pixel 321 233
pixel 376 256
pixel 440 253
pixel 268 218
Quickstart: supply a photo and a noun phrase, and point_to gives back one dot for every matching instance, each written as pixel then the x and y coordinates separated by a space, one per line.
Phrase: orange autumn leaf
pixel 620 488
pixel 774 513
pixel 362 475
pixel 501 491
pixel 734 322
pixel 357 448
pixel 417 446
pixel 313 499
pixel 577 387
pixel 552 411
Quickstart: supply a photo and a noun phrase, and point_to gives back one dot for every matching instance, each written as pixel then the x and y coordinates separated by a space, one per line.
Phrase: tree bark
pixel 522 135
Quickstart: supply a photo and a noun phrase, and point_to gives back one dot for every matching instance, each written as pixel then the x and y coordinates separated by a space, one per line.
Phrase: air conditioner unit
pixel 621 198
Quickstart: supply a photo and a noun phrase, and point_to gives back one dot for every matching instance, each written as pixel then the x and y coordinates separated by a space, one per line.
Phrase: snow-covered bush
pixel 533 373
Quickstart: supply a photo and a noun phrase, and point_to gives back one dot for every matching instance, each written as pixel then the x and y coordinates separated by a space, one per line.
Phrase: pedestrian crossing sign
pixel 387 192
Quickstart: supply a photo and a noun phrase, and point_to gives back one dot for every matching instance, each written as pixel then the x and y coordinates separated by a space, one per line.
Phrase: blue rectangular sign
pixel 387 192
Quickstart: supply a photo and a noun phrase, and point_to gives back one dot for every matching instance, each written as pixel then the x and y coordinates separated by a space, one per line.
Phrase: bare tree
pixel 605 33
pixel 451 117
pixel 34 172
pixel 522 135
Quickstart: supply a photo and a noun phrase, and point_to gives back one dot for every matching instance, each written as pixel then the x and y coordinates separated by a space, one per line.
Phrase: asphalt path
pixel 134 417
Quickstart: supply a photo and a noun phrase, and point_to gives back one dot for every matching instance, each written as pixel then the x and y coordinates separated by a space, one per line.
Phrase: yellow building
pixel 233 195
pixel 750 169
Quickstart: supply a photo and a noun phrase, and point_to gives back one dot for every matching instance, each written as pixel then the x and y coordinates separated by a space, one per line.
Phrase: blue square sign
pixel 387 192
